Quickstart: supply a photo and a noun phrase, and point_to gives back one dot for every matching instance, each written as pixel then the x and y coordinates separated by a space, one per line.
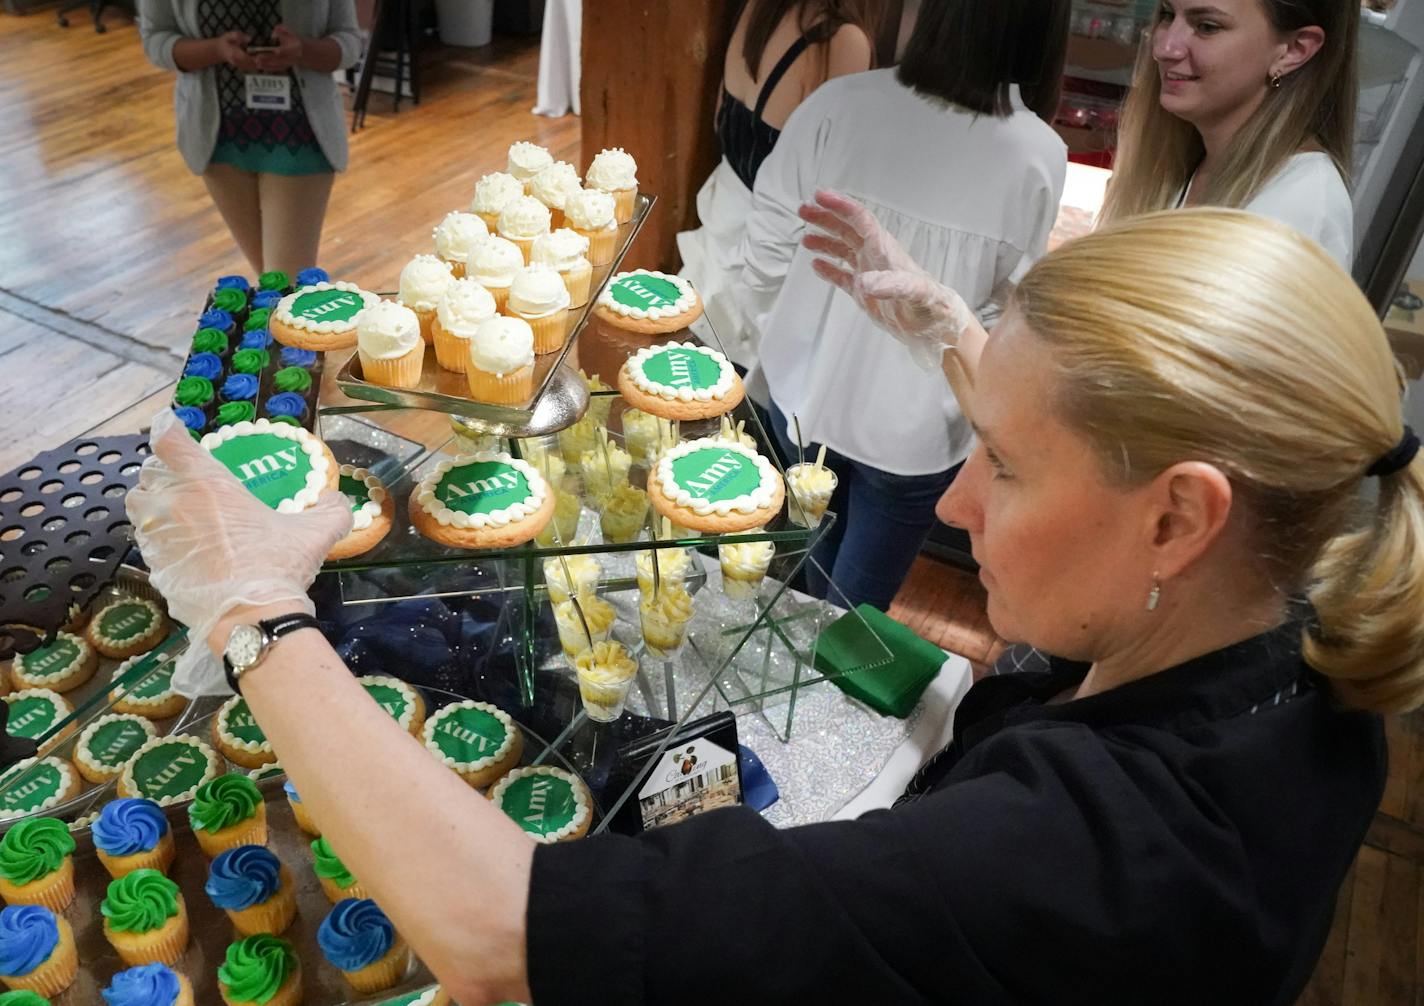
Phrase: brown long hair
pixel 1158 152
pixel 763 17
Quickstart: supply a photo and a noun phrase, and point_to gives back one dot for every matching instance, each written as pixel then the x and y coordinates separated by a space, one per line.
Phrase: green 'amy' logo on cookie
pixel 30 787
pixel 115 742
pixel 328 305
pixel 716 475
pixel 482 487
pixel 156 684
pixel 645 291
pixel 390 699
pixel 126 621
pixel 355 490
pixel 51 659
pixel 168 770
pixel 677 367
pixel 467 735
pixel 272 468
pixel 32 715
pixel 540 803
pixel 239 723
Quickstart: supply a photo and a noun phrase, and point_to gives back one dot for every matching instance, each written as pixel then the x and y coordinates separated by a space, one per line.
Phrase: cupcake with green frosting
pixel 249 361
pixel 37 864
pixel 228 812
pixel 336 879
pixel 195 392
pixel 22 997
pixel 276 281
pixel 262 970
pixel 234 302
pixel 236 412
pixel 292 379
pixel 211 340
pixel 145 918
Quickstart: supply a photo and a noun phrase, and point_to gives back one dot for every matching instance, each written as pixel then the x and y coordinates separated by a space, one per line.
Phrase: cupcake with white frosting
pixel 522 220
pixel 464 307
pixel 492 193
pixel 553 186
pixel 538 295
pixel 501 362
pixel 614 171
pixel 389 343
pixel 592 214
pixel 526 160
pixel 457 237
pixel 566 252
pixel 423 283
pixel 494 264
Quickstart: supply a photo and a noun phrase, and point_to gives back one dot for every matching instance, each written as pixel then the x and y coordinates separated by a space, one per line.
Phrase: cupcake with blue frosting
pixel 221 320
pixel 257 338
pixel 266 300
pixel 254 888
pixel 148 985
pixel 196 420
pixel 311 277
pixel 291 356
pixel 37 950
pixel 358 939
pixel 205 365
pixel 287 407
pixel 133 834
pixel 239 388
pixel 232 283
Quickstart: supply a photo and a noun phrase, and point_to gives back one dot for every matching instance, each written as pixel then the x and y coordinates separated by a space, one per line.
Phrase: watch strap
pixel 273 629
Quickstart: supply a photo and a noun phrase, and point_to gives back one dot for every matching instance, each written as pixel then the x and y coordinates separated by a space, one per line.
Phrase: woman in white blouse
pixel 968 179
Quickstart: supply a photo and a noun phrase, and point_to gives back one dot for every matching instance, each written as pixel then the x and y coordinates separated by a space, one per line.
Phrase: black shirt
pixel 1178 839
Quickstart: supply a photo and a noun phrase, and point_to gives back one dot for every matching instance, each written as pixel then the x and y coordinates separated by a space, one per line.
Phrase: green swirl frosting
pixel 22 997
pixel 209 340
pixel 236 412
pixel 194 391
pixel 140 902
pixel 250 361
pixel 223 802
pixel 328 866
pixel 34 848
pixel 256 967
pixel 229 300
pixel 292 379
pixel 258 319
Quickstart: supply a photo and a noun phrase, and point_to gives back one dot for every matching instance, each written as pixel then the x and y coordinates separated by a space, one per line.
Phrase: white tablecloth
pixel 559 58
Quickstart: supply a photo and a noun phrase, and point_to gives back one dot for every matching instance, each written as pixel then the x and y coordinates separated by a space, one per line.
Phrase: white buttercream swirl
pixel 758 499
pixel 725 375
pixel 496 261
pixel 310 445
pixel 591 210
pixel 537 292
pixel 458 235
pixel 528 159
pixel 555 184
pixel 561 250
pixel 494 190
pixel 424 281
pixel 613 169
pixel 686 297
pixel 502 345
pixel 524 218
pixel 465 306
pixel 387 331
pixel 283 311
pixel 425 493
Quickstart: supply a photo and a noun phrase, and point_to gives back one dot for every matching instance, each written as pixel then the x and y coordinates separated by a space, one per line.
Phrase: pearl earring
pixel 1155 594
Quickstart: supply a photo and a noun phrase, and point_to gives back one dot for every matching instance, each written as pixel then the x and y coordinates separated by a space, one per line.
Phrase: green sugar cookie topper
pixel 468 734
pixel 237 721
pixel 645 291
pixel 114 742
pixel 678 367
pixel 32 714
pixel 170 769
pixel 482 487
pixel 716 475
pixel 53 660
pixel 540 804
pixel 273 468
pixel 328 305
pixel 388 698
pixel 127 621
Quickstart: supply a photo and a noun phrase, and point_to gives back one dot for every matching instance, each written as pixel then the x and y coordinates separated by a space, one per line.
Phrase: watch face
pixel 244 646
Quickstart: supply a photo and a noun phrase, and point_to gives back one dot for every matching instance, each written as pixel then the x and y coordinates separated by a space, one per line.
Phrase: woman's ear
pixel 1300 48
pixel 1192 506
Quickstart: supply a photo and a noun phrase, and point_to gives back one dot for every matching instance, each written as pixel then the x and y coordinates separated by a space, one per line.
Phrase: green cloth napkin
pixel 845 647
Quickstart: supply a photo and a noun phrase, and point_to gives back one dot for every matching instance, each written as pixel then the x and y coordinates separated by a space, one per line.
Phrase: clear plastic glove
pixel 870 265
pixel 212 546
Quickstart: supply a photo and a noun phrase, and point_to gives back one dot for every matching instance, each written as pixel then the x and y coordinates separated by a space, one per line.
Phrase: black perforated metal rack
pixel 63 533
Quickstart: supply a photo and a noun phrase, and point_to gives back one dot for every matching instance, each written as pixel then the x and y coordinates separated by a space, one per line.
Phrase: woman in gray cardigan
pixel 259 116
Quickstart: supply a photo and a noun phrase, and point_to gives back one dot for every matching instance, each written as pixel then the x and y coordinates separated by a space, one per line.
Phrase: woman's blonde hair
pixel 1218 336
pixel 1157 152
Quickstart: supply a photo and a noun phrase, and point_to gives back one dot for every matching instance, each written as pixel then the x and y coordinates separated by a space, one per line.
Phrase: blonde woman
pixel 1167 496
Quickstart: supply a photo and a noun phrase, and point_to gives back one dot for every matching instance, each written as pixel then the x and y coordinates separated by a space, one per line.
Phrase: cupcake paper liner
pixel 401 372
pixel 511 389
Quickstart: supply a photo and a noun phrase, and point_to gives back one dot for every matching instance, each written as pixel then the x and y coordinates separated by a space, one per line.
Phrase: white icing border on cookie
pixel 310 445
pixel 515 512
pixel 375 489
pixel 61 705
pixel 269 771
pixel 758 499
pixel 128 696
pixel 155 628
pixel 81 823
pixel 428 736
pixel 406 689
pixel 66 783
pixel 725 377
pixel 686 300
pixel 580 791
pixel 81 747
pixel 215 761
pixel 283 311
pixel 86 652
pixel 251 747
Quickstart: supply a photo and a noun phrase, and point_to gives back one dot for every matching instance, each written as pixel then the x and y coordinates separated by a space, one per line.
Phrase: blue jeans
pixel 881 522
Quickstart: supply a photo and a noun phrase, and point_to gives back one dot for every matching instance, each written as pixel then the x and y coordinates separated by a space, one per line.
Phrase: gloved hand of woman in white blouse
pixel 212 546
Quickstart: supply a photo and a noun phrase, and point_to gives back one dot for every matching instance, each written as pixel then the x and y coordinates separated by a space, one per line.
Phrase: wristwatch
pixel 248 644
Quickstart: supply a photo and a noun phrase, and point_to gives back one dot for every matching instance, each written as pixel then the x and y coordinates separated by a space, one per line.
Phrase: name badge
pixel 269 92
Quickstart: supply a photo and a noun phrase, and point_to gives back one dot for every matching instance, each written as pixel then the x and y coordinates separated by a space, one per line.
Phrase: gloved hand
pixel 212 546
pixel 871 266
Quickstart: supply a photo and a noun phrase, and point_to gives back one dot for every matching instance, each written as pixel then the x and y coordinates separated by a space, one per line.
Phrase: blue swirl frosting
pixel 243 877
pixel 294 357
pixel 28 935
pixel 128 826
pixel 220 320
pixel 291 791
pixel 240 387
pixel 355 934
pixel 266 299
pixel 258 338
pixel 233 283
pixel 192 417
pixel 312 276
pixel 203 365
pixel 145 985
pixel 287 403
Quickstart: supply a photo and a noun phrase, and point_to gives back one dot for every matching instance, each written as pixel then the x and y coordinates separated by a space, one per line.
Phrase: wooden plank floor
pixel 108 244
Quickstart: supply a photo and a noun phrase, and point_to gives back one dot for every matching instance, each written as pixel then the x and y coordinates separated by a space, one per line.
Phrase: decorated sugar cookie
pixel 680 380
pixel 284 466
pixel 169 769
pixel 106 745
pixel 475 739
pixel 36 785
pixel 60 666
pixel 648 303
pixel 550 804
pixel 35 711
pixel 712 486
pixel 320 317
pixel 152 695
pixel 399 699
pixel 483 500
pixel 127 627
pixel 237 735
pixel 372 509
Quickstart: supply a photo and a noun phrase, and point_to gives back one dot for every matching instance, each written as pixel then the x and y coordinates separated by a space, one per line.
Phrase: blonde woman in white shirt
pixel 966 177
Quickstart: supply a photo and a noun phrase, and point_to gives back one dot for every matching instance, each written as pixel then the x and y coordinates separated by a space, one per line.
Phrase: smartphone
pixel 254 49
